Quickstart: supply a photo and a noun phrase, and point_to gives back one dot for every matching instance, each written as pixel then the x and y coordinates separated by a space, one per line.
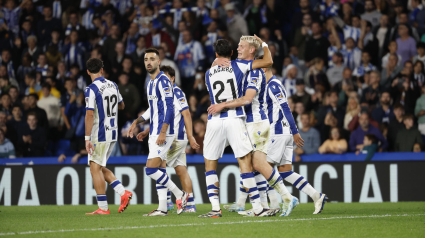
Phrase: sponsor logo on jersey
pixel 110 128
pixel 167 92
pixel 280 97
pixel 254 80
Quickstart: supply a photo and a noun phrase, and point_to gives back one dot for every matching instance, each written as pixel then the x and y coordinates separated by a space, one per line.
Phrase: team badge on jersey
pixel 87 101
pixel 182 101
pixel 280 98
pixel 167 92
pixel 254 80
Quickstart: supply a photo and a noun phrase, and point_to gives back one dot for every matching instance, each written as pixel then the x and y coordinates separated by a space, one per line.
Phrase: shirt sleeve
pixel 181 98
pixel 120 99
pixel 244 65
pixel 167 96
pixel 90 99
pixel 254 80
pixel 279 95
pixel 147 115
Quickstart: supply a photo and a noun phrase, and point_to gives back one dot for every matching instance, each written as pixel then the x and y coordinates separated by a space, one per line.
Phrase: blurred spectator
pixel 32 50
pixel 418 73
pixel 406 44
pixel 110 43
pixel 305 8
pixel 335 144
pixel 390 72
pixel 382 33
pixel 335 73
pixel 371 15
pixel 352 54
pixel 69 96
pixel 257 16
pixel 392 47
pixel 156 36
pixel 353 109
pixel 302 34
pixel 72 52
pixel 396 125
pixel 127 68
pixel 24 68
pixel 290 80
pixel 31 138
pixel 236 24
pixel 298 111
pixel 5 60
pixel 384 113
pixel 56 41
pixel 46 26
pixel 316 46
pixel 420 111
pixel 75 74
pixel 53 90
pixel 138 54
pixel 42 66
pixel 409 136
pixel 357 136
pixel 331 110
pixel 189 55
pixel 31 85
pixel 199 128
pixel 118 57
pixel 7 150
pixel 405 92
pixel 370 146
pixel 131 146
pixel 40 113
pixel 316 74
pixel 51 105
pixel 4 85
pixel 310 136
pixel 417 16
pixel 420 48
pixel 14 96
pixel 131 96
pixel 171 63
pixel 365 67
pixel 301 95
pixel 370 96
pixel 6 105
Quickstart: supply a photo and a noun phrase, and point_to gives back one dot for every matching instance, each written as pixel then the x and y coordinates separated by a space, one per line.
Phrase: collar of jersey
pixel 273 77
pixel 159 75
pixel 100 79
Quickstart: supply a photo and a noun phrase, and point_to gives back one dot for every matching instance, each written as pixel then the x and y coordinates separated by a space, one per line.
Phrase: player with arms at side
pixel 228 127
pixel 283 134
pixel 102 97
pixel 258 128
pixel 161 129
pixel 176 157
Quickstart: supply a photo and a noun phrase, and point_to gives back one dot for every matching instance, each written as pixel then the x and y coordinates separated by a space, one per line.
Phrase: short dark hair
pixel 152 50
pixel 305 114
pixel 13 86
pixel 223 48
pixel 408 116
pixel 32 114
pixel 339 132
pixel 46 85
pixel 371 137
pixel 31 75
pixel 94 65
pixel 34 95
pixel 4 94
pixel 168 70
pixel 399 106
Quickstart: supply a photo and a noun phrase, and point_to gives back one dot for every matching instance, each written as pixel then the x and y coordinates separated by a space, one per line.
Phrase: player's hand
pixel 259 39
pixel 193 143
pixel 161 139
pixel 130 132
pixel 298 140
pixel 215 108
pixel 222 62
pixel 89 147
pixel 142 135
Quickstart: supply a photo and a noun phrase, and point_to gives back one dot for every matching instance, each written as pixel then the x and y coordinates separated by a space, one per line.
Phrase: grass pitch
pixel 403 219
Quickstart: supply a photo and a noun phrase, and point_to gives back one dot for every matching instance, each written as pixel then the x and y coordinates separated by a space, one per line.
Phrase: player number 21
pixel 221 90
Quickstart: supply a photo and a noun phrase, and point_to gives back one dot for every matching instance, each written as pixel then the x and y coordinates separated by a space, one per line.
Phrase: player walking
pixel 161 129
pixel 283 134
pixel 102 97
pixel 176 156
pixel 228 127
pixel 258 126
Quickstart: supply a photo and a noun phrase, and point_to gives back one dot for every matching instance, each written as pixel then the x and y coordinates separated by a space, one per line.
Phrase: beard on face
pixel 152 70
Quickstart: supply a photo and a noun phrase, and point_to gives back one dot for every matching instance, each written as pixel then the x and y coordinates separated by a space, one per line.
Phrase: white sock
pixel 169 197
pixel 262 188
pixel 191 200
pixel 102 202
pixel 300 183
pixel 242 195
pixel 118 187
pixel 164 180
pixel 249 182
pixel 276 182
pixel 211 179
pixel 271 193
pixel 162 197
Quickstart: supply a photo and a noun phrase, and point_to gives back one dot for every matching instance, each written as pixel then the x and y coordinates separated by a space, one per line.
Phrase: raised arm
pixel 336 37
pixel 267 60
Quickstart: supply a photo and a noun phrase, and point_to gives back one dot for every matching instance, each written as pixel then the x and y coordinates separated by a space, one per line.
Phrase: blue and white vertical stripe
pixel 256 79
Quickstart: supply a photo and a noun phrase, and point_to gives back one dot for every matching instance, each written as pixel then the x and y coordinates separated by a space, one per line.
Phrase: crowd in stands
pixel 353 70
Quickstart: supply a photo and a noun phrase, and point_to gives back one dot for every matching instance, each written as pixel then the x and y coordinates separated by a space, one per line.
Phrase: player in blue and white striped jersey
pixel 258 131
pixel 102 97
pixel 176 157
pixel 161 129
pixel 283 133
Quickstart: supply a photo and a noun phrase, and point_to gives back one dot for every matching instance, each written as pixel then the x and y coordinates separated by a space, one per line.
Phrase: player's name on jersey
pixel 105 86
pixel 220 69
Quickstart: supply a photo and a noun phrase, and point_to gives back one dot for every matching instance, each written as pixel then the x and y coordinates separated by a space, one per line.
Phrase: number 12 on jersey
pixel 111 100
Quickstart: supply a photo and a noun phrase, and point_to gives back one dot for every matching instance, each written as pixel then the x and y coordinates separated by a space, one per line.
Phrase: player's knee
pixel 150 171
pixel 285 168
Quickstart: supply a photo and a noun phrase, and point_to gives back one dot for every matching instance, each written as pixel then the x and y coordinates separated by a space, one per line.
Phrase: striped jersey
pixel 226 84
pixel 161 110
pixel 279 113
pixel 180 104
pixel 255 79
pixel 103 97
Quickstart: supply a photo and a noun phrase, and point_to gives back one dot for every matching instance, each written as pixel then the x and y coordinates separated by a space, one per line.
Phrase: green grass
pixel 405 219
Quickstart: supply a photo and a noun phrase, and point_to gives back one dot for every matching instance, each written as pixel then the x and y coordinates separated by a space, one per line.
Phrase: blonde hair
pixel 252 42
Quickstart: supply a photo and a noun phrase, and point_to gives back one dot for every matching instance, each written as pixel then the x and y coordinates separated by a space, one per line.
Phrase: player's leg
pixel 126 196
pixel 153 171
pixel 214 144
pixel 181 171
pixel 262 188
pixel 299 181
pixel 274 202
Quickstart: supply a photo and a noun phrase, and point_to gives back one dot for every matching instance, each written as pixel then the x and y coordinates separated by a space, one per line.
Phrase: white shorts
pixel 259 135
pixel 102 151
pixel 177 153
pixel 281 149
pixel 160 151
pixel 221 133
